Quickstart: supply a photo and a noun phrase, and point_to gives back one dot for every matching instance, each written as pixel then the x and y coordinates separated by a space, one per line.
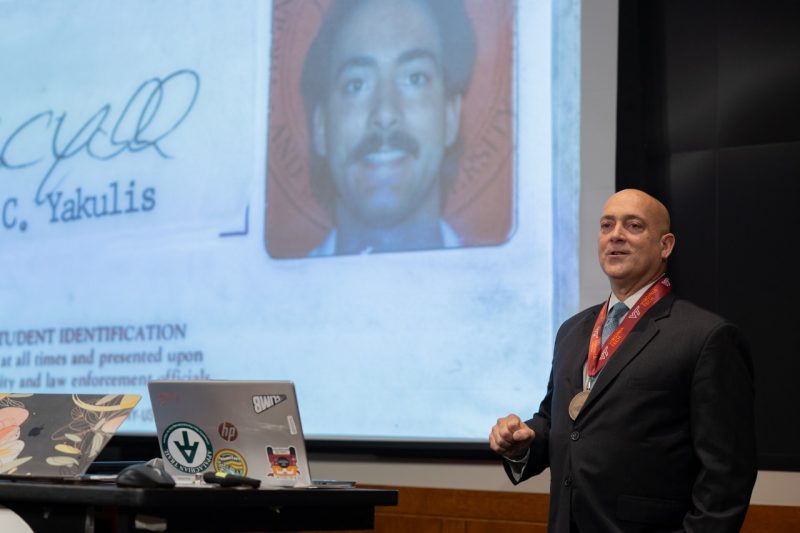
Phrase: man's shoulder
pixel 579 320
pixel 326 247
pixel 688 311
pixel 450 238
pixel 582 315
pixel 672 306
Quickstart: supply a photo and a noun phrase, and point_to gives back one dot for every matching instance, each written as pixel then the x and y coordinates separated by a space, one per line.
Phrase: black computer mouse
pixel 144 475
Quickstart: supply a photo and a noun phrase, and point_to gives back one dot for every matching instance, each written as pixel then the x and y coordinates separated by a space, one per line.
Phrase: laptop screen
pixel 57 435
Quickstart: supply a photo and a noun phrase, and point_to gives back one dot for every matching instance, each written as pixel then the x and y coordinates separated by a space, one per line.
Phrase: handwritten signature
pixel 155 110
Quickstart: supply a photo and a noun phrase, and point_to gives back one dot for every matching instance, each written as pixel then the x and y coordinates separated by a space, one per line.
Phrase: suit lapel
pixel 631 347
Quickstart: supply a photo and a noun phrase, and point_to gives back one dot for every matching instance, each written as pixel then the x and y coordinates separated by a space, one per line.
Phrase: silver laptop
pixel 246 428
pixel 57 435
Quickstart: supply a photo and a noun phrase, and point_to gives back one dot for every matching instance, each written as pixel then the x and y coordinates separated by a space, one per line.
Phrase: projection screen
pixel 173 205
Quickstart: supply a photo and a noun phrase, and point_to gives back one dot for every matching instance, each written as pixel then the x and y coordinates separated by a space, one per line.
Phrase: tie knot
pixel 618 310
pixel 613 319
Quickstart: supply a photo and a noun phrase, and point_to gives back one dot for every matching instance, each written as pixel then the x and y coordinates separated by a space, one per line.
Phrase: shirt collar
pixel 631 300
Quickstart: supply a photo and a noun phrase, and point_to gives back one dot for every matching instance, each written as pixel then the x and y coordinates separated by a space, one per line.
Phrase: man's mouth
pixel 384 156
pixel 382 169
pixel 381 161
pixel 380 149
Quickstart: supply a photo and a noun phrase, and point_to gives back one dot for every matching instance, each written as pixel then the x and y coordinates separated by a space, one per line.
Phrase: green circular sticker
pixel 186 447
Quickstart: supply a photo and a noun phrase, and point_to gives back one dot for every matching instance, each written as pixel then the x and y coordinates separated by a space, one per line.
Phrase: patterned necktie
pixel 613 319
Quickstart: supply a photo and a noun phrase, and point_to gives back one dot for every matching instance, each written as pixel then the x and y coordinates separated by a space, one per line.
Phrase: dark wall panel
pixel 695 261
pixel 715 134
pixel 690 74
pixel 759 72
pixel 759 194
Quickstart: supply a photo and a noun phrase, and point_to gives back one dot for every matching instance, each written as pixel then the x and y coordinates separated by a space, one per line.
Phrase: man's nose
pixel 617 232
pixel 386 110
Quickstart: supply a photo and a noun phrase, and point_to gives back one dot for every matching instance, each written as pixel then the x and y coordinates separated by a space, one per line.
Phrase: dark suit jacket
pixel 666 439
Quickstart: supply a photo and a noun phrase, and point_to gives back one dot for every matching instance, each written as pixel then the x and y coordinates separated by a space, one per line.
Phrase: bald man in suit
pixel 653 428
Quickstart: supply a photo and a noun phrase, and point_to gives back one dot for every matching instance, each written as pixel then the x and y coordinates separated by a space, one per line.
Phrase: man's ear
pixel 318 134
pixel 452 117
pixel 667 245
